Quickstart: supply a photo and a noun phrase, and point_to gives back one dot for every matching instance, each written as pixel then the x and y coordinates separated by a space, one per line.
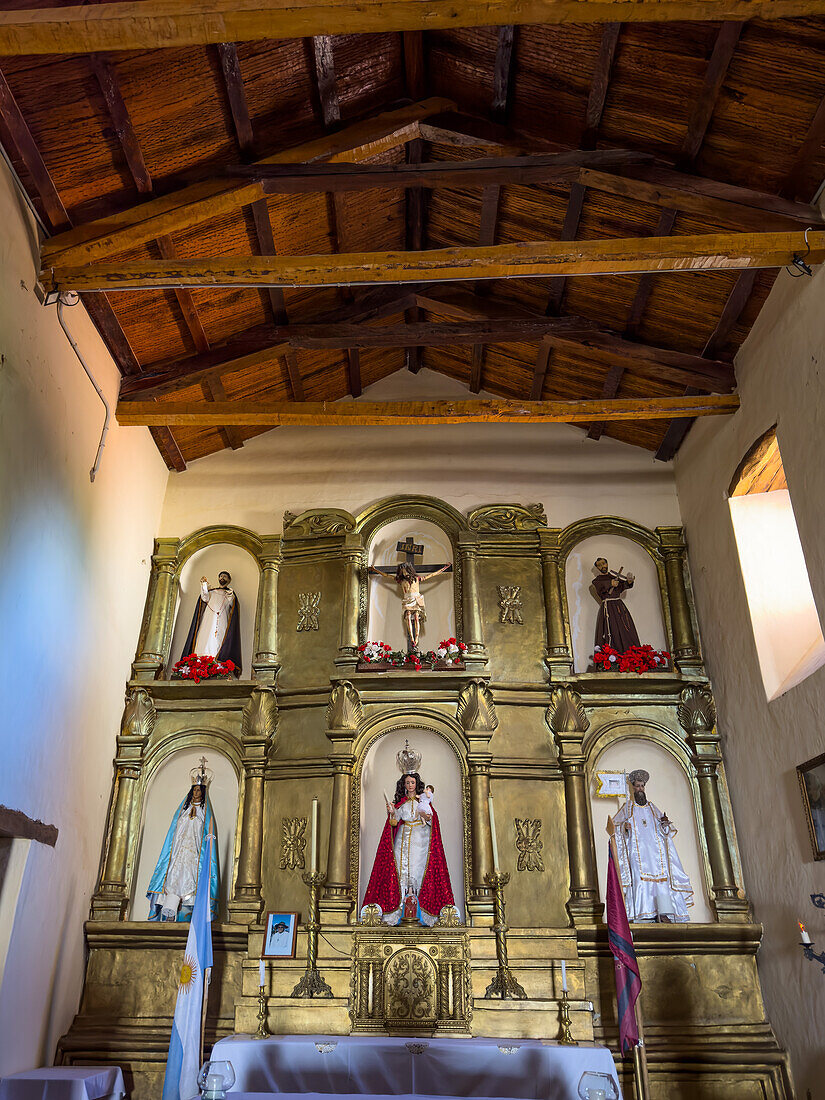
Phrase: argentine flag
pixel 183 1063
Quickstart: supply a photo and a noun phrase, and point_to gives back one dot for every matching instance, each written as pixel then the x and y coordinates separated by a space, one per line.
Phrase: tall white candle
pixel 313 860
pixel 564 976
pixel 493 832
pixel 263 973
pixel 805 937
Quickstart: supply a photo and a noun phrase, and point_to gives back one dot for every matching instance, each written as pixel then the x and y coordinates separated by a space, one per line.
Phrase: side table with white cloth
pixel 393 1066
pixel 64 1083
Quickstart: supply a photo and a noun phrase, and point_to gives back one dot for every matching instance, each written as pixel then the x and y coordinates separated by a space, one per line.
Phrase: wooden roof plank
pixel 159 24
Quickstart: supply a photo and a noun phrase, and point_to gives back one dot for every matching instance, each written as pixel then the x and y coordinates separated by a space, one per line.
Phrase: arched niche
pixel 207 561
pixel 379 772
pixel 625 747
pixel 644 600
pixel 384 617
pixel 166 786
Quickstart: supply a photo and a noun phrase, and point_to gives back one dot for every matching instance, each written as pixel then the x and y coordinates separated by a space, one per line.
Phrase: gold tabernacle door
pixel 411 980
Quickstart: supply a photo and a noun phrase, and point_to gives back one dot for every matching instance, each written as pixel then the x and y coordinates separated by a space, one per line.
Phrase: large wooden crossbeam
pixel 389 413
pixel 154 24
pixel 704 252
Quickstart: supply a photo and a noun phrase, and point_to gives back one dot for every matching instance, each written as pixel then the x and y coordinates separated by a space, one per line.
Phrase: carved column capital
pixel 260 717
pixel 476 713
pixel 344 710
pixel 568 723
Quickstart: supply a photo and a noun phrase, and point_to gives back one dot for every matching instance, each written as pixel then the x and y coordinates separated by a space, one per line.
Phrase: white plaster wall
pixel 466 465
pixel 670 791
pixel 169 785
pixel 439 767
pixel 73 581
pixel 643 600
pixel 208 562
pixel 780 380
pixel 385 620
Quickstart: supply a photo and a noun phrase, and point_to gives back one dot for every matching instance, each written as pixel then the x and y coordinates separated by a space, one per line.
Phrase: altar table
pixel 64 1083
pixel 394 1067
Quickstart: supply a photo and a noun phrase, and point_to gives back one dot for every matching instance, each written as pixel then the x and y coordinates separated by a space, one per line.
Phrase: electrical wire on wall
pixel 71 298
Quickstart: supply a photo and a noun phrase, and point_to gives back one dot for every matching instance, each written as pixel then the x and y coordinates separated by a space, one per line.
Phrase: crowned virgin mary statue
pixel 174 882
pixel 409 879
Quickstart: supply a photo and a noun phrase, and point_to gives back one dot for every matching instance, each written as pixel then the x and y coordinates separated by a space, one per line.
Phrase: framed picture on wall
pixel 280 935
pixel 812 784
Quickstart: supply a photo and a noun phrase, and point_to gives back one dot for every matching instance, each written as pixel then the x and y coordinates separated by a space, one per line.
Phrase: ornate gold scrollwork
pixel 529 844
pixel 509 601
pixel 449 917
pixel 371 916
pixel 318 522
pixel 309 608
pixel 410 987
pixel 293 843
pixel 260 715
pixel 507 517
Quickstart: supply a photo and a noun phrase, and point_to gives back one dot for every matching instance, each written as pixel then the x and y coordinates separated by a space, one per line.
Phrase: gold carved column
pixel 557 655
pixel 343 719
pixel 686 654
pixel 353 554
pixel 258 727
pixel 111 899
pixel 567 720
pixel 265 664
pixel 157 616
pixel 479 721
pixel 476 656
pixel 697 716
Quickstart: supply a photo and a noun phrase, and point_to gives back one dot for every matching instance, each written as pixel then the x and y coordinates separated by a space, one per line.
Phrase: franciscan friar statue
pixel 614 623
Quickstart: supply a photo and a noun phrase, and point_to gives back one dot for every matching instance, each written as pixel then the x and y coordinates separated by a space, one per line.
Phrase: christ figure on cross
pixel 413 609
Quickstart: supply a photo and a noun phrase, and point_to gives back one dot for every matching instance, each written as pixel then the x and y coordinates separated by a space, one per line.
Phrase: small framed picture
pixel 812 784
pixel 280 935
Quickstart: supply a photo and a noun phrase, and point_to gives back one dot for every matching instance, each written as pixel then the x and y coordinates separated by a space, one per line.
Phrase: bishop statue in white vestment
pixel 216 624
pixel 655 885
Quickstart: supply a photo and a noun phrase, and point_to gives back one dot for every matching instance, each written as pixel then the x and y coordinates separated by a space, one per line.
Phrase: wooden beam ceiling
pixel 199 202
pixel 389 413
pixel 724 47
pixel 97 305
pixel 704 252
pixel 154 24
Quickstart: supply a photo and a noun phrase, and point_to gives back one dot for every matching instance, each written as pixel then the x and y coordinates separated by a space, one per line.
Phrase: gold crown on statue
pixel 201 774
pixel 408 759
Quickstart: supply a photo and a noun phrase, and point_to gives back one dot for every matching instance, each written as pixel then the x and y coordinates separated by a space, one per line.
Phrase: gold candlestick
pixel 504 985
pixel 565 1037
pixel 263 1031
pixel 312 984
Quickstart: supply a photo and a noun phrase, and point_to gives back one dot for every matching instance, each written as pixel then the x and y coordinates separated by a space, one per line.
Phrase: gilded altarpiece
pixel 522 724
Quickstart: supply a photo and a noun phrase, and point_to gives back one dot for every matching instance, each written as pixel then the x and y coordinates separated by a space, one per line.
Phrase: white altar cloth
pixel 391 1066
pixel 64 1083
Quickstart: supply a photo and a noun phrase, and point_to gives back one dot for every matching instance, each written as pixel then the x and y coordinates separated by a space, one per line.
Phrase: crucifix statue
pixel 410 577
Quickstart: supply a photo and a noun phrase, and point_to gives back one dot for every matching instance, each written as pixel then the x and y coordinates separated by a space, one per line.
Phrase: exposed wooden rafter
pixel 155 24
pixel 724 47
pixel 236 95
pixel 575 203
pixel 98 305
pixel 315 413
pixel 107 78
pixel 199 202
pixel 702 252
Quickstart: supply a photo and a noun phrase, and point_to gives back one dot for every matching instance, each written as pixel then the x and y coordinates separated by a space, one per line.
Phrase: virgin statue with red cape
pixel 409 875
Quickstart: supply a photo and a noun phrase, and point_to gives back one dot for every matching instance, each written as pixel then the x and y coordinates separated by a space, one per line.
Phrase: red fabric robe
pixel 384 888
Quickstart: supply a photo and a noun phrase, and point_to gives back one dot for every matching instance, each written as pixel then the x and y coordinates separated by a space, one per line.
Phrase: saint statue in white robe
pixel 215 628
pixel 655 885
